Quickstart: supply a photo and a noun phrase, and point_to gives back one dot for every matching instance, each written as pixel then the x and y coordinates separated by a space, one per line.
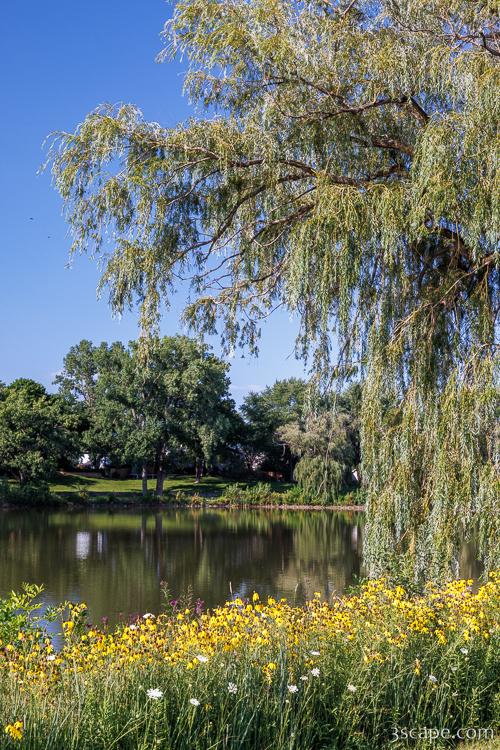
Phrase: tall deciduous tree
pixel 148 411
pixel 37 432
pixel 78 383
pixel 347 171
pixel 189 398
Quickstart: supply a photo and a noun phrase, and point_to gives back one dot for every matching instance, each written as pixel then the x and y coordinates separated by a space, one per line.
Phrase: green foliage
pixel 434 478
pixel 26 494
pixel 277 405
pixel 37 432
pixel 348 172
pixel 327 444
pixel 258 494
pixel 319 476
pixel 16 611
pixel 170 407
pixel 263 493
pixel 78 384
pixel 21 616
pixel 267 411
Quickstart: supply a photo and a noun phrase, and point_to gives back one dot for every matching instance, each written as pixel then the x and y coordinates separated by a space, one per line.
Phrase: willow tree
pixel 345 170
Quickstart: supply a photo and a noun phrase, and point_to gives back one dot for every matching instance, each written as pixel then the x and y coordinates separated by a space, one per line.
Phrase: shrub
pixel 20 617
pixel 263 494
pixel 258 494
pixel 28 494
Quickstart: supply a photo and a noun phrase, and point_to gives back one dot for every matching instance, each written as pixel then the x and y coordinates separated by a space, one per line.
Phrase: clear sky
pixel 60 60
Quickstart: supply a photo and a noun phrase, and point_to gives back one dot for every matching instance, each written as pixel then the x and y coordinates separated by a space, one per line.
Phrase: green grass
pixel 72 482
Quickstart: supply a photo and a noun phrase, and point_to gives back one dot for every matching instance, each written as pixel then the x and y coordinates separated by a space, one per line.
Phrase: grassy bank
pixel 75 488
pixel 71 483
pixel 328 676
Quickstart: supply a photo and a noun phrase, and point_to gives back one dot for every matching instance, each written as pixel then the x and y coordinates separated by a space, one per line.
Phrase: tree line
pixel 172 412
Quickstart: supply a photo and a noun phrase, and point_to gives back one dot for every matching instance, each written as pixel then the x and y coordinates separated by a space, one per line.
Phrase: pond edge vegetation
pixel 332 674
pixel 262 495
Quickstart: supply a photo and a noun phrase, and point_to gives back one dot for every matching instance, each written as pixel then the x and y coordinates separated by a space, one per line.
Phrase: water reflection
pixel 115 561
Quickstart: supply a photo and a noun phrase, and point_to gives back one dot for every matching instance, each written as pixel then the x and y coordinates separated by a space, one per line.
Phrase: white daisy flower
pixel 202 658
pixel 194 701
pixel 315 672
pixel 232 688
pixel 432 679
pixel 292 688
pixel 148 616
pixel 351 688
pixel 155 693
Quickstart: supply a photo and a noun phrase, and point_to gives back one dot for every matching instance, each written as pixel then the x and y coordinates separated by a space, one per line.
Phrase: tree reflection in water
pixel 115 560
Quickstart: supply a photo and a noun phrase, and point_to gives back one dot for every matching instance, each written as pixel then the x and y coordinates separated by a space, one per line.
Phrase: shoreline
pixel 174 505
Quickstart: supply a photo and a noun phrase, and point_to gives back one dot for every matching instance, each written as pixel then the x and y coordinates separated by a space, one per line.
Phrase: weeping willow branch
pixel 347 171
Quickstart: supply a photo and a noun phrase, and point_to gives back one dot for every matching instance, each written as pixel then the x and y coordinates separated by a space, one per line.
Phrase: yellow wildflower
pixel 15 731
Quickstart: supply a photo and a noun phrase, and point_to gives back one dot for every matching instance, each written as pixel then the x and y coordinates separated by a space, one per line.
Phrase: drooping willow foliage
pixel 346 170
pixel 320 448
pixel 325 443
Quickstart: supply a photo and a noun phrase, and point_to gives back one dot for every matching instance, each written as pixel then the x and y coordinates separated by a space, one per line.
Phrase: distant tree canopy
pixel 347 171
pixel 326 442
pixel 295 431
pixel 267 411
pixel 171 408
pixel 37 432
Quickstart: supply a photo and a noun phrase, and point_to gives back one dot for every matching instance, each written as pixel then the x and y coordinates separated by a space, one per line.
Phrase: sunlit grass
pixel 74 482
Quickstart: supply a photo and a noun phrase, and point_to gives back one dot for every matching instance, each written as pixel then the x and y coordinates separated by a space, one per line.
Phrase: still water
pixel 115 561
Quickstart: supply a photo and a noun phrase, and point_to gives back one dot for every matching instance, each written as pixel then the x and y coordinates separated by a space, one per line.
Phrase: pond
pixel 115 561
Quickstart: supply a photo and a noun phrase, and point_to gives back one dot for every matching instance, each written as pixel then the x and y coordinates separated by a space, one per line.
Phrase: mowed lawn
pixel 73 482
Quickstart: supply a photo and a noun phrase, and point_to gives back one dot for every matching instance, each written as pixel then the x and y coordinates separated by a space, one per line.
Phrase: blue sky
pixel 60 60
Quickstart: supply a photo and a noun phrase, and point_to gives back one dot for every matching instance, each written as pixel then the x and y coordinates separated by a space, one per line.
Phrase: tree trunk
pixel 198 470
pixel 144 480
pixel 160 476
